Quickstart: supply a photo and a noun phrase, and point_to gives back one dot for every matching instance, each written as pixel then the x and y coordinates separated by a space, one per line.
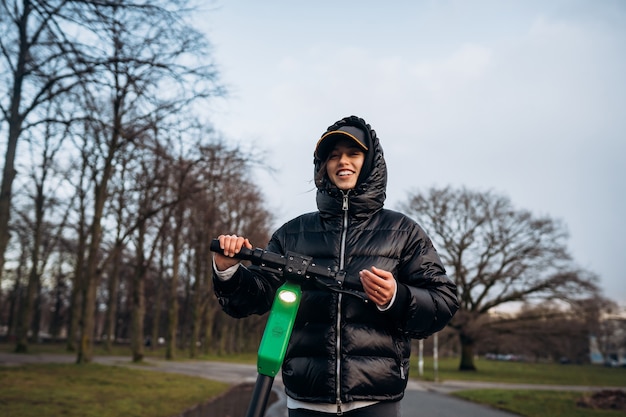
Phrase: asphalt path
pixel 421 398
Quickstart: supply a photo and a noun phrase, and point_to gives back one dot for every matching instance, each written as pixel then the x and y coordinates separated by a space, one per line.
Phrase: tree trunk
pixel 75 305
pixel 28 306
pixel 8 173
pixel 26 313
pixel 88 311
pixel 172 325
pixel 14 305
pixel 5 201
pixel 8 176
pixel 156 321
pixel 91 277
pixel 137 313
pixel 225 334
pixel 196 307
pixel 209 321
pixel 78 280
pixel 467 353
pixel 138 309
pixel 37 313
pixel 111 313
pixel 56 322
pixel 185 326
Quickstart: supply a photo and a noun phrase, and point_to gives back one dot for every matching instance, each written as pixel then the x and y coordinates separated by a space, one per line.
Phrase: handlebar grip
pixel 244 253
pixel 215 246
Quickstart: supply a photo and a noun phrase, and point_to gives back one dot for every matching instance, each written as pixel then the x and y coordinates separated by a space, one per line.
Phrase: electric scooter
pixel 296 269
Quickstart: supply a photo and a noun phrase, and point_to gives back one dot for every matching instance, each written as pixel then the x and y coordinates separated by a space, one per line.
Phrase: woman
pixel 346 356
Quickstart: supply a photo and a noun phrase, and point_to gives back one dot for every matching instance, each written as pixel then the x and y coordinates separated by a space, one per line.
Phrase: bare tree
pixel 77 245
pixel 119 212
pixel 35 57
pixel 152 199
pixel 125 78
pixel 241 210
pixel 181 186
pixel 146 74
pixel 160 281
pixel 496 254
pixel 215 193
pixel 43 237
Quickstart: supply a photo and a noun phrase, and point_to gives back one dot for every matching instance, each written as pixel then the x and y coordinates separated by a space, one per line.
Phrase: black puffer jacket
pixel 343 349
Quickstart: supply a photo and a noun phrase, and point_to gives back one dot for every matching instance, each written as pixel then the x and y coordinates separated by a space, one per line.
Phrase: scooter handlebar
pixel 296 267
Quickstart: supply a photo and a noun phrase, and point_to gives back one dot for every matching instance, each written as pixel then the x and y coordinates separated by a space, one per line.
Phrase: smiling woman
pixel 346 354
pixel 344 164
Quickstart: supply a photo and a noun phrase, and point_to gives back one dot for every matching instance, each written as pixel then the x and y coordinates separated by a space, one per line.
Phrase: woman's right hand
pixel 231 245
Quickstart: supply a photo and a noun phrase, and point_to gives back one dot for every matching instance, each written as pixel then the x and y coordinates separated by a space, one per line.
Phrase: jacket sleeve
pixel 249 291
pixel 429 296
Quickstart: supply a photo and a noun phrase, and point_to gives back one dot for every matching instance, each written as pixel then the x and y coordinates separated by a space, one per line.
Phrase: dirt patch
pixel 604 400
pixel 233 403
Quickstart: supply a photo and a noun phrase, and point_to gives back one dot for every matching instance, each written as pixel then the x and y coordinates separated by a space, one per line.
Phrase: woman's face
pixel 344 164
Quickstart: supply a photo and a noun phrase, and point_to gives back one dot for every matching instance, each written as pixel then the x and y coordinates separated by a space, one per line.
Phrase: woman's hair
pixel 320 175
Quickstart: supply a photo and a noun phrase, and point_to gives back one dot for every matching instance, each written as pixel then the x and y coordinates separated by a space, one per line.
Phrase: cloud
pixel 467 64
pixel 526 98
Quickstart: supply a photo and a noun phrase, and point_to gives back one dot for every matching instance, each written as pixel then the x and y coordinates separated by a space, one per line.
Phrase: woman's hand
pixel 379 285
pixel 231 245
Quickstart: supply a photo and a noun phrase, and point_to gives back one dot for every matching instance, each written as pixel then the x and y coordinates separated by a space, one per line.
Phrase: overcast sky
pixel 525 98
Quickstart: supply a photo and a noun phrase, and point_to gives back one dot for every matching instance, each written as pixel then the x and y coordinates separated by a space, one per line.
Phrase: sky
pixel 523 98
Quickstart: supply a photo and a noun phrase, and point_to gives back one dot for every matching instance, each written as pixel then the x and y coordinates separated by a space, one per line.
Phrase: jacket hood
pixel 369 194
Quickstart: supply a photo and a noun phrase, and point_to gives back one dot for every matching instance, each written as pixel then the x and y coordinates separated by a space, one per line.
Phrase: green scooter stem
pixel 278 329
pixel 273 344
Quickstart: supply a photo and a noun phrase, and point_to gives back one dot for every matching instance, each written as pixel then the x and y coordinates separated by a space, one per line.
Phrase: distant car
pixel 505 357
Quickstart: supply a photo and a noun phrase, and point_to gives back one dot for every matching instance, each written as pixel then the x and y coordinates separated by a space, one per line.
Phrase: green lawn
pixel 523 373
pixel 530 403
pixel 99 391
pixel 96 390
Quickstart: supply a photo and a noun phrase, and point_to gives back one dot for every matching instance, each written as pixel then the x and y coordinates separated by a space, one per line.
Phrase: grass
pixel 487 370
pixel 523 373
pixel 531 403
pixel 95 390
pixel 124 350
pixel 99 391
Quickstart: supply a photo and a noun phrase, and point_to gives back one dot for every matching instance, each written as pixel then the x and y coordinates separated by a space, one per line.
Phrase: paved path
pixel 421 399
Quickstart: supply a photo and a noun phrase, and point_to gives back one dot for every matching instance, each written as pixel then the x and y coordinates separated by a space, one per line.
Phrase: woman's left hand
pixel 379 285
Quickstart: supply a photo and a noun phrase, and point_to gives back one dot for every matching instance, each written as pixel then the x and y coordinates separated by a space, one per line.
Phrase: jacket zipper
pixel 342 255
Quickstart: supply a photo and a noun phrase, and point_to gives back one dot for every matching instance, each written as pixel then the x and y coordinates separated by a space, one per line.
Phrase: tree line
pixel 108 204
pixel 113 180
